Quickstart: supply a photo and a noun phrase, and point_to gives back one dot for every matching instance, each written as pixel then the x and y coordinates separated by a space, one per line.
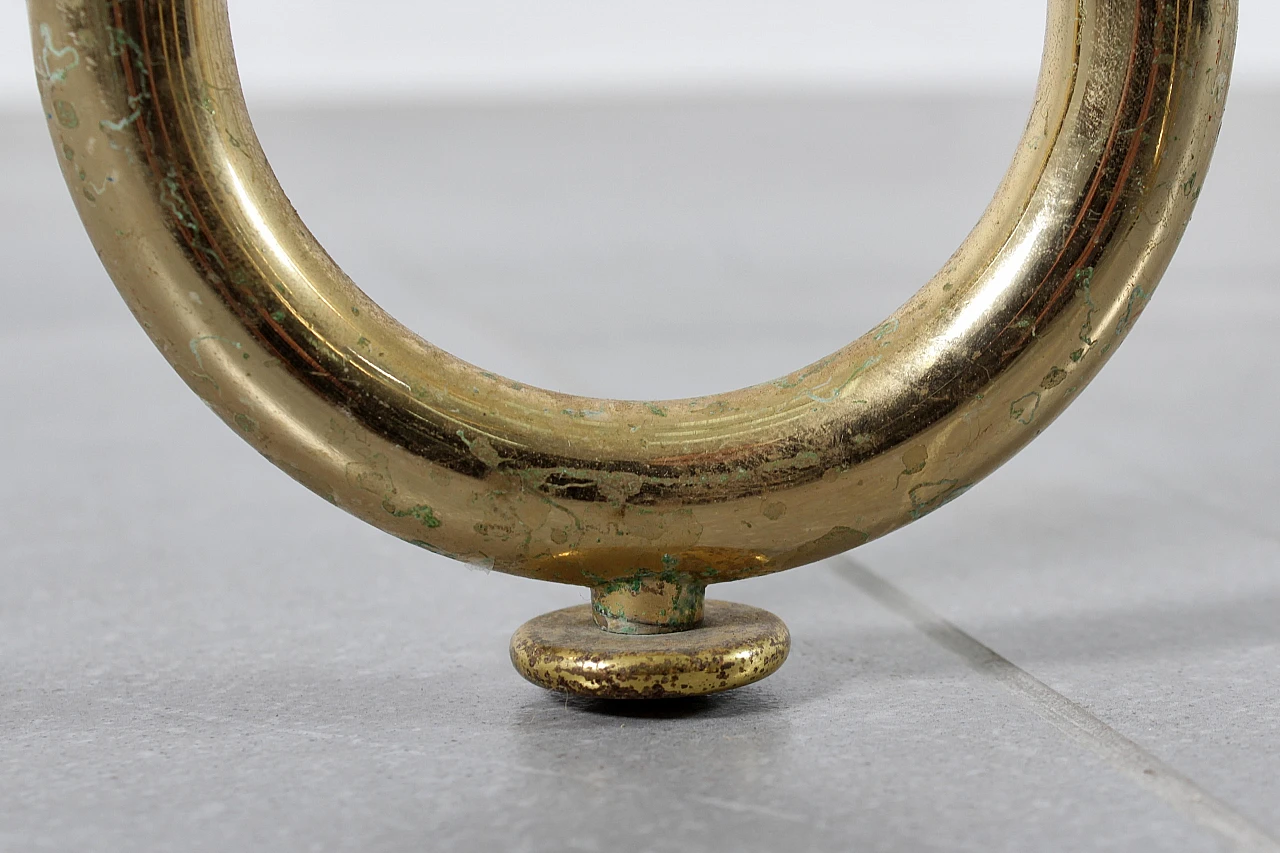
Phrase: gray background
pixel 196 654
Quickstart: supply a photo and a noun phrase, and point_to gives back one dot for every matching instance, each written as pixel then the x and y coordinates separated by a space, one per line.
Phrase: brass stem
pixel 648 605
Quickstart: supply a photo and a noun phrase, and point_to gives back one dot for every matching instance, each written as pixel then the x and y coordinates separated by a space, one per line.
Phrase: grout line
pixel 1068 717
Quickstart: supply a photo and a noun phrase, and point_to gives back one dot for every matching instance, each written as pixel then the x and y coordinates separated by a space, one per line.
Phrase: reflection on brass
pixel 733 646
pixel 153 137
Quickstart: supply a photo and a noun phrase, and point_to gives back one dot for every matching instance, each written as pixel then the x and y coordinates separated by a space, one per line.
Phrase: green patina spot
pixel 122 123
pixel 882 334
pixel 195 343
pixel 66 113
pixel 657 410
pixel 173 198
pixel 48 51
pixel 1023 410
pixel 246 423
pixel 423 513
pixel 930 497
pixel 847 384
pixel 1053 378
pixel 1084 278
pixel 574 413
pixel 1138 299
pixel 278 316
pixel 796 379
pixel 1188 186
pixel 119 42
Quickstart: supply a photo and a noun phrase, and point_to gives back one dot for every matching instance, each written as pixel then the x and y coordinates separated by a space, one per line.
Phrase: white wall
pixel 312 50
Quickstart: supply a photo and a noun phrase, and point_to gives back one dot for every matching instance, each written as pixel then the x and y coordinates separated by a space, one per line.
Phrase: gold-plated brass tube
pixel 153 137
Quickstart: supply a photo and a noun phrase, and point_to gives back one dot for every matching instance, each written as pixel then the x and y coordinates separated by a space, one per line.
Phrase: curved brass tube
pixel 147 117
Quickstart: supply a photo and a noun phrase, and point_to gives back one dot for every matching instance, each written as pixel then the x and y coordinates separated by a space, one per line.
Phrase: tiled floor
pixel 1083 654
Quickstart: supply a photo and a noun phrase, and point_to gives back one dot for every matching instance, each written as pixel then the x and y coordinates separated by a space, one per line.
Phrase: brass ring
pixel 155 142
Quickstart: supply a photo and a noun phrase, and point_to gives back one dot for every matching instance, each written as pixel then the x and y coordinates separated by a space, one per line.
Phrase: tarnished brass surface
pixel 148 121
pixel 652 605
pixel 734 646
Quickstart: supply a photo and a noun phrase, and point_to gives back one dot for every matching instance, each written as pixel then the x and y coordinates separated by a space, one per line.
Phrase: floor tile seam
pixel 1067 716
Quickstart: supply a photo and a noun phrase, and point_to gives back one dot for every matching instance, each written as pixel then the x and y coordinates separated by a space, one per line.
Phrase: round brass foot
pixel 735 645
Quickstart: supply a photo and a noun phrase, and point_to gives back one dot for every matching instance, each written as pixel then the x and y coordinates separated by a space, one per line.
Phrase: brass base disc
pixel 735 645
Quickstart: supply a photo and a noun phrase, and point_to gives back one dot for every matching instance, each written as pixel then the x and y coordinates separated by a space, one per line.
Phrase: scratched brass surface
pixel 147 119
pixel 735 645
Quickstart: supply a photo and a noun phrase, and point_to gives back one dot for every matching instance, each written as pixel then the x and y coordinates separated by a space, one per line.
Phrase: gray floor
pixel 1084 654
